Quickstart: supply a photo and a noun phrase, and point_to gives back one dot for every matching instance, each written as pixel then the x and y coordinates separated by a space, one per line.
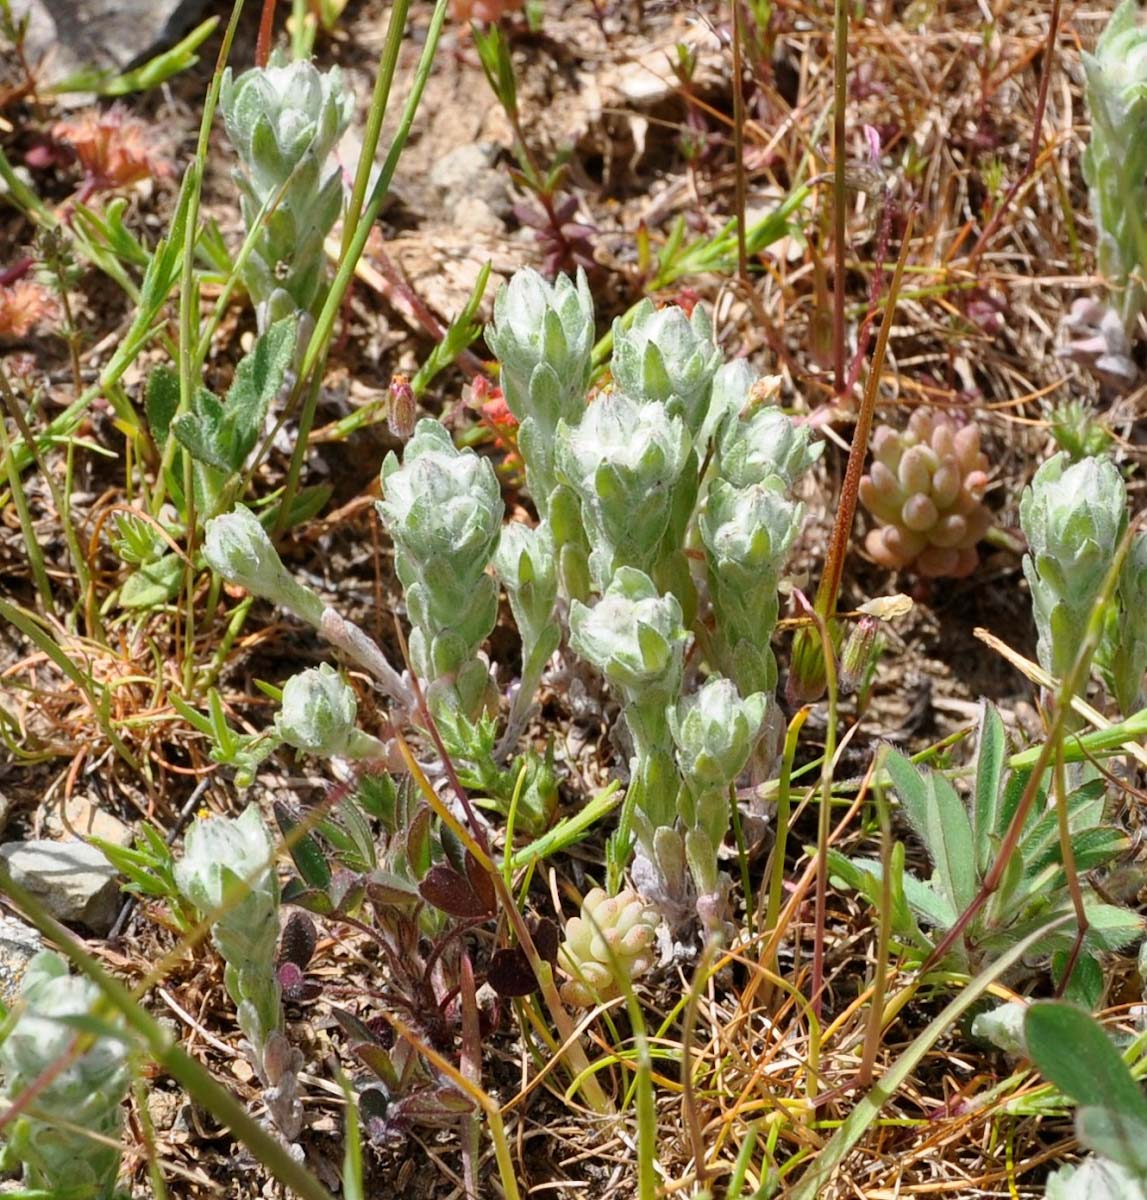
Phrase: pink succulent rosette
pixel 926 488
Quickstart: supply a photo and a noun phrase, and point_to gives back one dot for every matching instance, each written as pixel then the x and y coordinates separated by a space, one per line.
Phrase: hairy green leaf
pixel 990 762
pixel 1073 1051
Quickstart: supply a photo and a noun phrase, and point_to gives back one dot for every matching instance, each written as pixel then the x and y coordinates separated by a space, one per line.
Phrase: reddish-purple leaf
pixel 432 1106
pixel 481 884
pixel 297 945
pixel 418 841
pixel 510 973
pixel 546 939
pixel 366 1046
pixel 291 980
pixel 377 1059
pixel 446 889
pixel 355 1029
pixel 346 890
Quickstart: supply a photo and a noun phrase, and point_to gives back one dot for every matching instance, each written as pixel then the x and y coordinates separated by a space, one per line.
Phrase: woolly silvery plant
pixel 1122 654
pixel 1115 161
pixel 285 120
pixel 526 564
pixel 714 731
pixel 542 334
pixel 663 355
pixel 759 442
pixel 748 523
pixel 747 534
pixel 1099 333
pixel 443 508
pixel 238 547
pixel 1073 517
pixel 317 716
pixel 730 397
pixel 228 873
pixel 1129 659
pixel 624 463
pixel 636 638
pixel 87 1095
pixel 926 487
pixel 616 482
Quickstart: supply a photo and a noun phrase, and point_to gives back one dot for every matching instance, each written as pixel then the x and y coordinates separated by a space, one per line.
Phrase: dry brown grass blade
pixel 1040 677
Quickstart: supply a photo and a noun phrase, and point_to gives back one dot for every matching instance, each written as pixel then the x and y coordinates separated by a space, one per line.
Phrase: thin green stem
pixel 315 354
pixel 743 861
pixel 59 499
pixel 691 1115
pixel 27 528
pixel 1070 870
pixel 784 811
pixel 379 101
pixel 875 1023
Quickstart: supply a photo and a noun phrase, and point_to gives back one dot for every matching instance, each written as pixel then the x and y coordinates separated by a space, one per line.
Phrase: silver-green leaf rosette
pixel 228 873
pixel 443 509
pixel 78 1157
pixel 284 121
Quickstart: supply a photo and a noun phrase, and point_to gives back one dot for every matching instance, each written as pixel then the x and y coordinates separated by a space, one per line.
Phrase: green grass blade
pixel 868 1108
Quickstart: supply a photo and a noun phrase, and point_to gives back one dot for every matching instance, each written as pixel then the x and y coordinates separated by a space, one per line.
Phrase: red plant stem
pixel 839 189
pixel 467 360
pixel 820 908
pixel 266 26
pixel 1033 148
pixel 16 271
pixel 877 285
pixel 842 529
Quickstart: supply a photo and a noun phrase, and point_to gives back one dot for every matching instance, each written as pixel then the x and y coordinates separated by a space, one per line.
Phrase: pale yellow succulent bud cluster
pixel 609 945
pixel 926 488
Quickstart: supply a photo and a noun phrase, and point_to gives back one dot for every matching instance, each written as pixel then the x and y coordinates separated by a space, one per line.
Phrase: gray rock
pixel 19 944
pixel 472 189
pixel 81 814
pixel 73 880
pixel 69 35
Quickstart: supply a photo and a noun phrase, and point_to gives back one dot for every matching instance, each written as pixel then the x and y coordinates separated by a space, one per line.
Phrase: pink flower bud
pixel 401 413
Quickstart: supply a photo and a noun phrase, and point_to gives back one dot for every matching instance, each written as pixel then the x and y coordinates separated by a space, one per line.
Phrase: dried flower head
pixel 926 488
pixel 114 148
pixel 24 305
